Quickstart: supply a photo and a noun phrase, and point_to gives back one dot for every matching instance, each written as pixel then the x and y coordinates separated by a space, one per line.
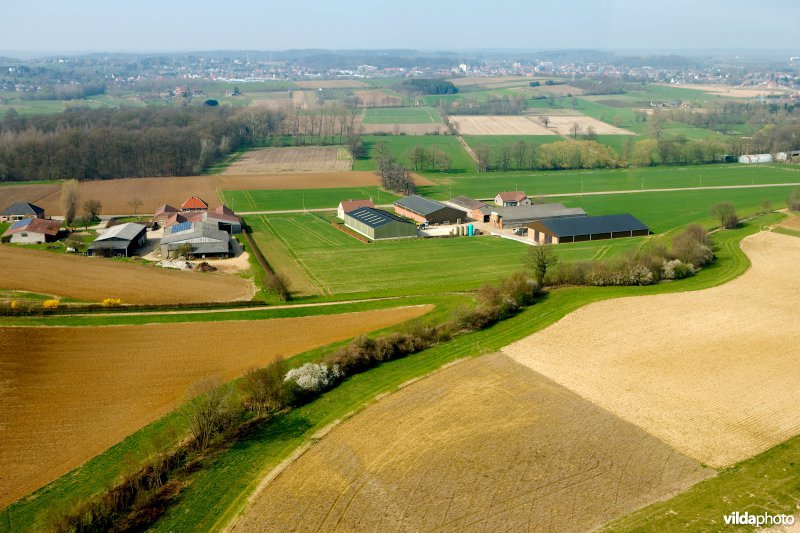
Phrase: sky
pixel 61 26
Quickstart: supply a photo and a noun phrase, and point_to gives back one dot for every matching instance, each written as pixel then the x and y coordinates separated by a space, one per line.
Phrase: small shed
pixel 424 210
pixel 579 229
pixel 345 206
pixel 377 224
pixel 20 211
pixel 32 231
pixel 122 240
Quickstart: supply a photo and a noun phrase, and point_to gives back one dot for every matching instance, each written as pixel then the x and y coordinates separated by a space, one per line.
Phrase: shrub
pixel 209 411
pixel 572 273
pixel 314 377
pixel 794 200
pixel 692 246
pixel 112 302
pixel 51 304
pixel 676 269
pixel 265 388
pixel 725 212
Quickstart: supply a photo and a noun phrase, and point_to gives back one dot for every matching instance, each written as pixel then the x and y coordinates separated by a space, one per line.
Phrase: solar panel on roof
pixel 183 226
pixel 21 223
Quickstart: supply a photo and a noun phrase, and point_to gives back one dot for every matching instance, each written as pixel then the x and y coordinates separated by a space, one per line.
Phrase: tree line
pixel 558 155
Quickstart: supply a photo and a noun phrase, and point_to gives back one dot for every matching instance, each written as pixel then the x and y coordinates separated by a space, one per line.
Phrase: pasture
pixel 400 146
pixel 499 125
pixel 482 445
pixel 293 159
pixel 299 199
pixel 91 279
pixel 379 98
pixel 708 372
pixel 321 260
pixel 93 387
pixel 401 115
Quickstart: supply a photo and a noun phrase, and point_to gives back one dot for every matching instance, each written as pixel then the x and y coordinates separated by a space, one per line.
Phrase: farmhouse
pixel 476 210
pixel 21 210
pixel 758 158
pixel 205 239
pixel 120 240
pixel 222 216
pixel 345 206
pixel 164 212
pixel 511 199
pixel 195 203
pixel 578 229
pixel 377 224
pixel 423 210
pixel 515 217
pixel 32 231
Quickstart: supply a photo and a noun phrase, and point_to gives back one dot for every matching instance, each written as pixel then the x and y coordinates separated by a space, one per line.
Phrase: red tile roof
pixel 351 205
pixel 177 218
pixel 194 203
pixel 513 196
pixel 166 208
pixel 36 225
pixel 224 210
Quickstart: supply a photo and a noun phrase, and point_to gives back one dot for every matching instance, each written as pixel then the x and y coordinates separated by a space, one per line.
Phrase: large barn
pixel 515 217
pixel 579 229
pixel 205 239
pixel 120 240
pixel 32 231
pixel 345 206
pixel 377 224
pixel 424 210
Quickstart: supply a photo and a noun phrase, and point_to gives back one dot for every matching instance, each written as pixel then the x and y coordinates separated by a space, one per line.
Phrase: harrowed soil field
pixel 483 445
pixel 712 373
pixel 68 393
pixel 92 279
pixel 292 159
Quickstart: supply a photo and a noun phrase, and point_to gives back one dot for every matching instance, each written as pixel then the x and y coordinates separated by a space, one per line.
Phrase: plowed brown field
pixel 67 394
pixel 294 159
pixel 34 194
pixel 712 373
pixel 93 278
pixel 499 125
pixel 485 445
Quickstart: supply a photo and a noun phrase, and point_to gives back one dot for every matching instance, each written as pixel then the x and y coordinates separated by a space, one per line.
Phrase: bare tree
pixel 544 119
pixel 135 204
pixel 278 283
pixel 92 208
pixel 725 212
pixel 209 411
pixel 574 130
pixel 69 200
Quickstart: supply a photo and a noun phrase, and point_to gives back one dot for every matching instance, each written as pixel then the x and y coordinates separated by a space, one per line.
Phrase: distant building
pixel 511 199
pixel 122 240
pixel 164 212
pixel 345 206
pixel 205 239
pixel 376 224
pixel 194 203
pixel 515 217
pixel 32 231
pixel 21 210
pixel 424 210
pixel 579 229
pixel 757 158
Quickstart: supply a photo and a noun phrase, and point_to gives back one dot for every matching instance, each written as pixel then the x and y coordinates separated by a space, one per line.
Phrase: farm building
pixel 758 158
pixel 120 240
pixel 32 231
pixel 21 210
pixel 423 210
pixel 511 199
pixel 345 206
pixel 515 217
pixel 578 229
pixel 377 224
pixel 476 210
pixel 205 238
pixel 225 219
pixel 164 213
pixel 194 203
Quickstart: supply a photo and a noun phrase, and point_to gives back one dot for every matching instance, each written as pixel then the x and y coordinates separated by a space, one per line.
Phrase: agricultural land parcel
pixel 295 159
pixel 92 279
pixel 708 372
pixel 73 392
pixel 499 125
pixel 400 146
pixel 483 445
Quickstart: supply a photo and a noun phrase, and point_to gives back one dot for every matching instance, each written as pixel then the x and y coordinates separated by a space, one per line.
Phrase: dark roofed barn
pixel 516 216
pixel 425 210
pixel 20 210
pixel 377 224
pixel 578 229
pixel 205 239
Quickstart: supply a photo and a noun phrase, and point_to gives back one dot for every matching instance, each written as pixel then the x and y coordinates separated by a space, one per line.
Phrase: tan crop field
pixel 115 195
pixel 67 394
pixel 484 445
pixel 792 223
pixel 562 124
pixel 404 129
pixel 305 99
pixel 331 84
pixel 712 373
pixel 736 92
pixel 92 279
pixel 271 103
pixel 378 98
pixel 500 125
pixel 294 159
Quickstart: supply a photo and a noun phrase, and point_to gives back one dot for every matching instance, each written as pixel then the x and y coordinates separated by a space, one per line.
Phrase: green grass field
pixel 288 199
pixel 496 142
pixel 400 145
pixel 401 115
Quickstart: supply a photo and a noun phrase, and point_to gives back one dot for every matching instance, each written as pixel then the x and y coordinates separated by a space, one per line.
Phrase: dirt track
pixel 485 445
pixel 713 372
pixel 67 394
pixel 92 279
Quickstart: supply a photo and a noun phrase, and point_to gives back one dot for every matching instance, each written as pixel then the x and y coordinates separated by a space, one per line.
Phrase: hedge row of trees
pixel 558 155
pixel 495 105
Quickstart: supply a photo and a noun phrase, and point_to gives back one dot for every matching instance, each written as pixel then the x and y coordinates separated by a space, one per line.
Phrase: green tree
pixel 539 260
pixel 725 212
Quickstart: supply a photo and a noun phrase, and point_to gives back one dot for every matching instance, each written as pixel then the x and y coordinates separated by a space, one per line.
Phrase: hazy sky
pixel 165 25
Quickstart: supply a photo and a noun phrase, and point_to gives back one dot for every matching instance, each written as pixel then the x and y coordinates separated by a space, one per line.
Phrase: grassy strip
pixel 766 483
pixel 787 231
pixel 219 492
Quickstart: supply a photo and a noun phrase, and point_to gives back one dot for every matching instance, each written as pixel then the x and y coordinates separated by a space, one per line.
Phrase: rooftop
pixel 512 196
pixel 418 204
pixel 537 211
pixel 22 208
pixel 593 225
pixel 351 205
pixel 467 203
pixel 187 231
pixel 123 232
pixel 195 202
pixel 375 218
pixel 34 225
